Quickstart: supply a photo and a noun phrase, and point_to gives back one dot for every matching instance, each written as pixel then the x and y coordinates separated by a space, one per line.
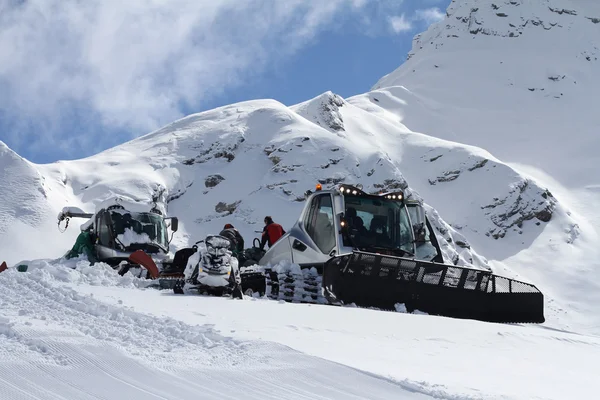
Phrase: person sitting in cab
pixel 271 233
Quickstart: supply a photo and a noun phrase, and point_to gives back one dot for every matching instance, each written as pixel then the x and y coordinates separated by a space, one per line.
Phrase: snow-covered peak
pixel 241 162
pixel 519 79
pixel 324 110
pixel 512 19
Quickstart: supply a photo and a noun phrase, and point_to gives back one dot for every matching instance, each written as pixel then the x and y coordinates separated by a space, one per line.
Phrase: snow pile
pixel 80 271
pixel 129 237
pixel 527 356
pixel 48 331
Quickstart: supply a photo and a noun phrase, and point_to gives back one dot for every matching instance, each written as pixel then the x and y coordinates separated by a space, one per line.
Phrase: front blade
pixel 382 281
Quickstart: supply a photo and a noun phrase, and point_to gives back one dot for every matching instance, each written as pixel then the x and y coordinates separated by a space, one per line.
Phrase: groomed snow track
pixel 57 343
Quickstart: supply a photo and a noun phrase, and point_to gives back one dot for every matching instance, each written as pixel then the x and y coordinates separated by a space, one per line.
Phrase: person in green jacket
pixel 84 245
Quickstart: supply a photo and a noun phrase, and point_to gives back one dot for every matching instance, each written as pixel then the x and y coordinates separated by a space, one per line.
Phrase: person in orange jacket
pixel 271 233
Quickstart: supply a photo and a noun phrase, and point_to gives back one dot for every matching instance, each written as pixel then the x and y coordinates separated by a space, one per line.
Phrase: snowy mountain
pixel 490 122
pixel 247 160
pixel 519 79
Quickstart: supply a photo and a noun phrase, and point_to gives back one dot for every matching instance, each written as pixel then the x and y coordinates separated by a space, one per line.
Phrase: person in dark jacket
pixel 271 233
pixel 234 236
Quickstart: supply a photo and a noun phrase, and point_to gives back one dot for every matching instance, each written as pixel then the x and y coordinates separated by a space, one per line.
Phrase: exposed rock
pixel 268 150
pixel 223 207
pixel 524 202
pixel 573 233
pixel 331 162
pixel 453 174
pixel 331 112
pixel 480 164
pixel 391 184
pixel 215 151
pixel 563 11
pixel 213 180
pixel 274 185
pixel 556 78
pixel 449 176
pixel 331 181
pixel 462 244
pixel 544 215
pixel 178 193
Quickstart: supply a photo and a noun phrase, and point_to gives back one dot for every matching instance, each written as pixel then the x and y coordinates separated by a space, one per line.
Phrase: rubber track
pixel 304 287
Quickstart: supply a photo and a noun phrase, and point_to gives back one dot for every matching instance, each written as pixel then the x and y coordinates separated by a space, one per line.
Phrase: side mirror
pixel 174 224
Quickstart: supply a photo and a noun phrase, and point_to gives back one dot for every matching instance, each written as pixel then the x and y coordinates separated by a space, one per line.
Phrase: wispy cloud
pixel 132 64
pixel 429 15
pixel 400 24
pixel 128 67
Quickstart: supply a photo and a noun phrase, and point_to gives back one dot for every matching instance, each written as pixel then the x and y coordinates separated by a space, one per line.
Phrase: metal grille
pixel 452 276
pixel 383 281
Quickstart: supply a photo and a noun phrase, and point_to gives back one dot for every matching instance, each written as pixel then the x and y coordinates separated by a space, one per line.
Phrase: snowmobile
pixel 214 270
pixel 380 250
pixel 129 236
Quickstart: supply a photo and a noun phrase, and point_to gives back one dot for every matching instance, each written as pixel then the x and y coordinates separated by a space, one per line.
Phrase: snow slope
pixel 505 168
pixel 88 333
pixel 57 343
pixel 241 162
pixel 30 199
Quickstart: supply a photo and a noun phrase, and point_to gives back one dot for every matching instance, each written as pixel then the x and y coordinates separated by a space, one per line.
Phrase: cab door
pixel 316 236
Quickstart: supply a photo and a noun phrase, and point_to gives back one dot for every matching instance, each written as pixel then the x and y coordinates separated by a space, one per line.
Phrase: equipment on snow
pixel 215 270
pixel 141 258
pixel 373 250
pixel 3 266
pixel 129 236
pixel 379 250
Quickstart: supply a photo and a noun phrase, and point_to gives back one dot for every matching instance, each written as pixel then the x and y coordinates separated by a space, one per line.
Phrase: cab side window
pixel 320 224
pixel 103 232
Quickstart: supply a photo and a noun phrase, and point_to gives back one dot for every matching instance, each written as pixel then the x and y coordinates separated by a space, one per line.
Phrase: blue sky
pixel 76 79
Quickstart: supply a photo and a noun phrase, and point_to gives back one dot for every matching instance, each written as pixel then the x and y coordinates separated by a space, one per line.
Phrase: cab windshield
pixel 375 223
pixel 132 229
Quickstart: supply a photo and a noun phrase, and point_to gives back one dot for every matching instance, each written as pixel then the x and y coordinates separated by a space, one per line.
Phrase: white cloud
pixel 131 64
pixel 400 24
pixel 429 15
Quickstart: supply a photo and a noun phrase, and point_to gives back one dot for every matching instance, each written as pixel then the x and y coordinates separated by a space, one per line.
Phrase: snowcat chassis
pixel 374 280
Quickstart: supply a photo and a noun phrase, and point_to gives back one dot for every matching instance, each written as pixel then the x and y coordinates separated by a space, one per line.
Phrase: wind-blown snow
pixel 130 236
